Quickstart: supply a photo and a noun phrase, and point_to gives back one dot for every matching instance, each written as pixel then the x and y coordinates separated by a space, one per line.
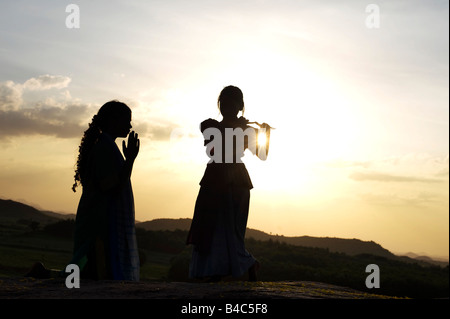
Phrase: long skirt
pixel 218 231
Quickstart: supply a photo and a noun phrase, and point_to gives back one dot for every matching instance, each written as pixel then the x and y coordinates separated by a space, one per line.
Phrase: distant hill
pixel 12 211
pixel 350 247
pixel 347 246
pixel 435 260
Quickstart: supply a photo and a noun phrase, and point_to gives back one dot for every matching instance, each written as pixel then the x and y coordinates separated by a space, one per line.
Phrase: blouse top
pixel 226 170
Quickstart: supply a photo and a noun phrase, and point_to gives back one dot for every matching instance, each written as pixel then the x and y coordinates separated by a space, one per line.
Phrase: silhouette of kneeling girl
pixel 105 239
pixel 221 210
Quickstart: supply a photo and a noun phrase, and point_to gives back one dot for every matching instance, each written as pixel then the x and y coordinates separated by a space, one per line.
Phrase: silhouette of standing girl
pixel 105 239
pixel 221 210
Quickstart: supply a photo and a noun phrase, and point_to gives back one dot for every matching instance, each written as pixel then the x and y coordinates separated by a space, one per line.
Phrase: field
pixel 20 248
pixel 165 258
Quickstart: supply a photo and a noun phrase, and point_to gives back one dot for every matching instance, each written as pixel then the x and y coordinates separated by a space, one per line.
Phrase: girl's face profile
pixel 121 125
pixel 124 124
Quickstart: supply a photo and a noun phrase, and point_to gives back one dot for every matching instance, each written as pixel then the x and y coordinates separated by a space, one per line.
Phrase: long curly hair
pixel 111 109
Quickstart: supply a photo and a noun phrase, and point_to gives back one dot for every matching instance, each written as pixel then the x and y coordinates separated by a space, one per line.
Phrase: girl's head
pixel 114 118
pixel 230 101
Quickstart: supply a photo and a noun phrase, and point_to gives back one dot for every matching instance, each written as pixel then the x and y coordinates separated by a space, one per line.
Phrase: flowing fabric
pixel 221 250
pixel 105 244
pixel 220 220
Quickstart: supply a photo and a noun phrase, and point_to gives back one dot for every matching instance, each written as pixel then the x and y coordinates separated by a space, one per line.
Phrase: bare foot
pixel 253 270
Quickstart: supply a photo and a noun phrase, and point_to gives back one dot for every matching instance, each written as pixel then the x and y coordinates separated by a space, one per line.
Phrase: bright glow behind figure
pixel 262 138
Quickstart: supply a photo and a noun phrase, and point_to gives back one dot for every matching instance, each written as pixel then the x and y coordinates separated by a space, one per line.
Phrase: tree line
pixel 281 261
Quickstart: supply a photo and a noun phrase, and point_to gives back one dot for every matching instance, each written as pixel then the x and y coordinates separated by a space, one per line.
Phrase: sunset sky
pixel 361 145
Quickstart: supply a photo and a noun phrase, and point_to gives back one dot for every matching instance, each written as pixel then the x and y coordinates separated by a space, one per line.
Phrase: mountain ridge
pixel 13 211
pixel 347 246
pixel 308 241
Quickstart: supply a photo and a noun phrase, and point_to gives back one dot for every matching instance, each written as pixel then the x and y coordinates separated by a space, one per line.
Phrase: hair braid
pixel 109 110
pixel 88 140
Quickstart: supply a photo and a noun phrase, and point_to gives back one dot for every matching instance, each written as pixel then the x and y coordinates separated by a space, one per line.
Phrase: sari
pixel 105 244
pixel 219 223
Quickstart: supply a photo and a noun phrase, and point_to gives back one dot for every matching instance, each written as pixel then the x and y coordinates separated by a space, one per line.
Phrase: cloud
pixel 391 200
pixel 56 114
pixel 49 120
pixel 339 163
pixel 10 96
pixel 160 130
pixel 46 82
pixel 443 173
pixel 407 168
pixel 382 177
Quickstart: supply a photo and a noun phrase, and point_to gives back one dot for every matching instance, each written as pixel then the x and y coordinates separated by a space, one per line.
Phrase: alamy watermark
pixel 73 18
pixel 222 146
pixel 234 144
pixel 373 280
pixel 373 19
pixel 73 279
